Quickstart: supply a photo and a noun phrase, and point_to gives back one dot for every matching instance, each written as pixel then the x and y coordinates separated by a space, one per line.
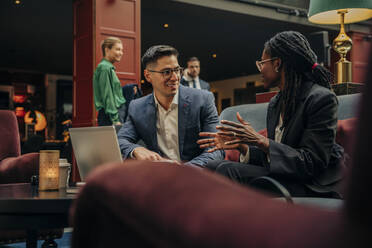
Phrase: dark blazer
pixel 307 150
pixel 128 93
pixel 203 84
pixel 196 113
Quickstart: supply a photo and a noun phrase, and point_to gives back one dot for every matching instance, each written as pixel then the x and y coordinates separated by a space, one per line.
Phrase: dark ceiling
pixel 236 39
pixel 37 36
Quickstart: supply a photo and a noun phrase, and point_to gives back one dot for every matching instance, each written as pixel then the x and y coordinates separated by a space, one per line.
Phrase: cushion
pixel 19 169
pixel 10 141
pixel 255 114
pixel 344 134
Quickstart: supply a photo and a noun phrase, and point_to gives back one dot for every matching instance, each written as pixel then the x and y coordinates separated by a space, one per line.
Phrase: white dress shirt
pixel 189 80
pixel 279 130
pixel 167 129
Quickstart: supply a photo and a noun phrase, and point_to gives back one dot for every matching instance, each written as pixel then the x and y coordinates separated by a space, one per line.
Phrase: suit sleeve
pixel 209 121
pixel 312 155
pixel 127 135
pixel 208 86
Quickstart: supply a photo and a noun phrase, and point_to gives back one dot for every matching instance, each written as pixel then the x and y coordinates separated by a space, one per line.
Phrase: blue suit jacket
pixel 196 113
pixel 203 84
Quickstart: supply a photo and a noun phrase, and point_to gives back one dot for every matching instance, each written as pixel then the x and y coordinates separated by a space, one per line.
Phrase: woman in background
pixel 108 96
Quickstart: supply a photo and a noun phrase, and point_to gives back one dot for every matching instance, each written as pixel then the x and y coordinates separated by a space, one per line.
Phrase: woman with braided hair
pixel 300 150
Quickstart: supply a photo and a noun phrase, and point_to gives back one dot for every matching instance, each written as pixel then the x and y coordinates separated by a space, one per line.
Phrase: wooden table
pixel 23 207
pixel 347 88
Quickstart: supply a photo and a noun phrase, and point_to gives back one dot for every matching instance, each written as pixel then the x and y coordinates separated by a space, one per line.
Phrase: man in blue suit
pixel 191 77
pixel 168 120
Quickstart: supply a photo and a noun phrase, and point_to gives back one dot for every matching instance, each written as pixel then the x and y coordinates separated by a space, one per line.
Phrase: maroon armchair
pixel 144 204
pixel 17 168
pixel 14 167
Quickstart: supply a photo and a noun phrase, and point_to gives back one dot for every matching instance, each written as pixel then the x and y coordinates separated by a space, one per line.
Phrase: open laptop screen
pixel 94 146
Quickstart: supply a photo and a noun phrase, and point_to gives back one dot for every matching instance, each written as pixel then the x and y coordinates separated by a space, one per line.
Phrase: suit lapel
pixel 202 85
pixel 150 118
pixel 306 87
pixel 288 127
pixel 183 112
pixel 273 112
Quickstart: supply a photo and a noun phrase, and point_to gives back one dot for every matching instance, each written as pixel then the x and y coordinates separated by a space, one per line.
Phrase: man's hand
pixel 141 153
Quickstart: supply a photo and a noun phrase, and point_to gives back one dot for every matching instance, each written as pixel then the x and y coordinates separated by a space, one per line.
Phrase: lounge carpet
pixel 64 242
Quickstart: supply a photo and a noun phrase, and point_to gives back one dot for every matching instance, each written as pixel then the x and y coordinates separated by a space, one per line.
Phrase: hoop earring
pixel 276 70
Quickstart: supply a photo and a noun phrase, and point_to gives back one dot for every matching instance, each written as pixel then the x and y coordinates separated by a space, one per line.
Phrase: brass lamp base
pixel 342 44
pixel 344 72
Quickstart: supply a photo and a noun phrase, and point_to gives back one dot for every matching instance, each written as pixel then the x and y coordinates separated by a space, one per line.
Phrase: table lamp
pixel 340 12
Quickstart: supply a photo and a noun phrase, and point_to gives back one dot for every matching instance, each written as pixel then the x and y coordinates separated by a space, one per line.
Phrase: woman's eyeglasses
pixel 259 63
pixel 168 72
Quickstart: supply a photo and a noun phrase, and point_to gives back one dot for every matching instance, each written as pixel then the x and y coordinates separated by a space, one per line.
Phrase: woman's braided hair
pixel 299 62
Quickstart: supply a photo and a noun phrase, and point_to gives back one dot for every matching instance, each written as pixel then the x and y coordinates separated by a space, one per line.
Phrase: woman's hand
pixel 242 133
pixel 216 141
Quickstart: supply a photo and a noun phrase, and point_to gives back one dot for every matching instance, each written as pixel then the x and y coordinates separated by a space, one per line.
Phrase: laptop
pixel 94 146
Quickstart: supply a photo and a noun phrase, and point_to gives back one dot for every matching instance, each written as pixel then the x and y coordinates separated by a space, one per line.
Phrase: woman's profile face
pixel 114 54
pixel 270 77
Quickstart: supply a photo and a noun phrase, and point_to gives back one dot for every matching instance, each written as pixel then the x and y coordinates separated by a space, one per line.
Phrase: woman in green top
pixel 108 96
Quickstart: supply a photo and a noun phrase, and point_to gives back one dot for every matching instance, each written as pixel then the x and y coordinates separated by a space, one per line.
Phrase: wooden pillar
pixel 95 20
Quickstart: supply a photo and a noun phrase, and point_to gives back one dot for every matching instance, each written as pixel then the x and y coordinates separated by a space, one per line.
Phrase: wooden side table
pixel 23 207
pixel 347 88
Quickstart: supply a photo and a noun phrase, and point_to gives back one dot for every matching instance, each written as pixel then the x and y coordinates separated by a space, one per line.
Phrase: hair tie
pixel 314 65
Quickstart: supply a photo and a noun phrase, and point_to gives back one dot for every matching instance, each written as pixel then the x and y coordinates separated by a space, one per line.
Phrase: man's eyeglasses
pixel 168 72
pixel 259 63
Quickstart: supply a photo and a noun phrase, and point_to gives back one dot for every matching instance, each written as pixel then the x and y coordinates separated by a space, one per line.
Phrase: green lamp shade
pixel 325 11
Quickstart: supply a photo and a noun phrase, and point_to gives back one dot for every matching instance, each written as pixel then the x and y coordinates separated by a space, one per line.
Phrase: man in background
pixel 191 76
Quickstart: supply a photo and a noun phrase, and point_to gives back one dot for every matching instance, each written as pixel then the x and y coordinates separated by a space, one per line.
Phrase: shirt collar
pixel 109 63
pixel 188 78
pixel 174 101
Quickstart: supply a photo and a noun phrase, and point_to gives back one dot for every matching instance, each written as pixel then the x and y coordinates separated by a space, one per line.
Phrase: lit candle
pixel 49 170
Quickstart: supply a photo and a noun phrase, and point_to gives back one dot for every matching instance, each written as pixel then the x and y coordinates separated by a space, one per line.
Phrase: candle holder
pixel 49 170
